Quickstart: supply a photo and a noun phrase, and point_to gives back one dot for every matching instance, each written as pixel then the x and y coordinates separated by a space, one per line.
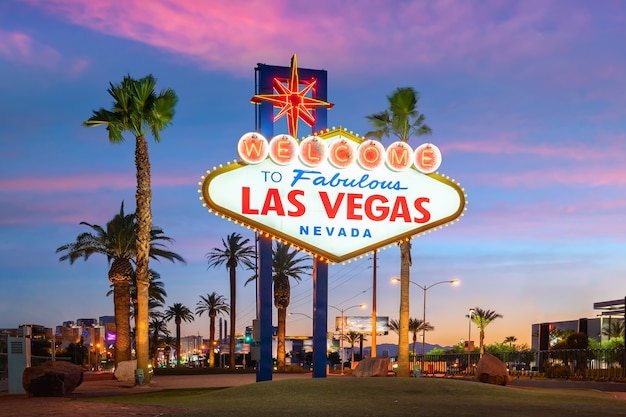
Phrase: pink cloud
pixel 23 49
pixel 82 182
pixel 482 37
pixel 554 219
pixel 607 147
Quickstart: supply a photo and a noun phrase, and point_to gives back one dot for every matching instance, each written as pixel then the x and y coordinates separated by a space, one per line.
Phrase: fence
pixel 605 364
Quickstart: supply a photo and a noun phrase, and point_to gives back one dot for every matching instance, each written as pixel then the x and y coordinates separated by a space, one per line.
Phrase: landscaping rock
pixel 125 371
pixel 492 370
pixel 372 367
pixel 52 379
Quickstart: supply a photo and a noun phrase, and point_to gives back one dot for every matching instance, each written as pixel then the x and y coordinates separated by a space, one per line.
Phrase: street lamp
pixel 300 314
pixel 426 288
pixel 342 311
pixel 469 341
pixel 97 356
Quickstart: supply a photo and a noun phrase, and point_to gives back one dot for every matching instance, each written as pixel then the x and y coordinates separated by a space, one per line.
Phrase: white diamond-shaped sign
pixel 335 213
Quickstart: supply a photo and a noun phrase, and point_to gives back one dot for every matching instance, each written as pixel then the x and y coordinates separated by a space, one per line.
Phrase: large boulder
pixel 492 370
pixel 372 367
pixel 52 379
pixel 125 371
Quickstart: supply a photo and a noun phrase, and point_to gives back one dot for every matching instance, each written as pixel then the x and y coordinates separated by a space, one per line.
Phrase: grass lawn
pixel 361 397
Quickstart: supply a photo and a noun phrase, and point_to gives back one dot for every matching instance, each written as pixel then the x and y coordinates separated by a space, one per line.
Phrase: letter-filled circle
pixel 283 149
pixel 399 156
pixel 371 154
pixel 313 151
pixel 427 158
pixel 341 153
pixel 252 148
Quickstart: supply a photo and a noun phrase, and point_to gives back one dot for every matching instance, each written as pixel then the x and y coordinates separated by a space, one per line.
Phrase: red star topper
pixel 291 101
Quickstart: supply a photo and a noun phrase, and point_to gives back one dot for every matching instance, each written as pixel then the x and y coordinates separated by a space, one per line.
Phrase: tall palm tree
pixel 352 338
pixel 158 328
pixel 510 340
pixel 285 264
pixel 402 121
pixel 213 305
pixel 167 343
pixel 136 109
pixel 117 242
pixel 482 318
pixel 415 327
pixel 235 250
pixel 156 292
pixel 179 313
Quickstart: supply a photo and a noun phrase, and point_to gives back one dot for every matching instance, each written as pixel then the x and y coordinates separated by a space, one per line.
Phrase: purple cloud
pixel 23 49
pixel 485 38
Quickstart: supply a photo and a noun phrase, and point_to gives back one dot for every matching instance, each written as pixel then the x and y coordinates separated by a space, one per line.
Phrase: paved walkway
pixel 105 384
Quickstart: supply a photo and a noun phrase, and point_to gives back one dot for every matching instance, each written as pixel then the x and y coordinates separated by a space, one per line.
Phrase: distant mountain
pixel 392 349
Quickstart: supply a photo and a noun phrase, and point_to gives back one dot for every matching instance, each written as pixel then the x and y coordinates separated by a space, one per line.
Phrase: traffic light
pixel 248 335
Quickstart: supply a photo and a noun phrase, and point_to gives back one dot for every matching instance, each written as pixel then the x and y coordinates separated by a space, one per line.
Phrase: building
pixel 600 328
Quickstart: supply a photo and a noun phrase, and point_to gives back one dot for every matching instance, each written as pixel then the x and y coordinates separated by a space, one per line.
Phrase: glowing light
pixel 292 101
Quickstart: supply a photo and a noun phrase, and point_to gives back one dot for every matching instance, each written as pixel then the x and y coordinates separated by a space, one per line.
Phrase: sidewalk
pixel 104 384
pixel 21 405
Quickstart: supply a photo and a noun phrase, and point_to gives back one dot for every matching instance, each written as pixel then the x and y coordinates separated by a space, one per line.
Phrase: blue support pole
pixel 320 317
pixel 265 75
pixel 264 310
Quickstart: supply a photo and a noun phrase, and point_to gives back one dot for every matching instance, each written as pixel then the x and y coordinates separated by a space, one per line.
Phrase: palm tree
pixel 401 120
pixel 352 337
pixel 137 108
pixel 615 329
pixel 156 292
pixel 236 250
pixel 117 243
pixel 285 264
pixel 394 325
pixel 510 340
pixel 415 326
pixel 179 313
pixel 167 343
pixel 213 304
pixel 482 318
pixel 158 327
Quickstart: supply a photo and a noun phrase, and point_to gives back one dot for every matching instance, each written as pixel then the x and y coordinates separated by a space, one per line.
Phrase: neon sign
pixel 334 194
pixel 293 102
pixel 284 149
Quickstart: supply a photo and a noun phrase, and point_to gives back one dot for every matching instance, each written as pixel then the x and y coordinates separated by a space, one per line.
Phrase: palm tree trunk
pixel 178 362
pixel 280 343
pixel 153 349
pixel 212 342
pixel 121 300
pixel 144 225
pixel 141 328
pixel 403 336
pixel 233 316
pixel 482 338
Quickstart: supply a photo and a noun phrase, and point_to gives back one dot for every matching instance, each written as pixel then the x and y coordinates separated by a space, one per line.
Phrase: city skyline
pixel 525 99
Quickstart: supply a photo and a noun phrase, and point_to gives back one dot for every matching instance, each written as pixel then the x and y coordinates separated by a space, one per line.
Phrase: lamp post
pixel 424 289
pixel 300 314
pixel 97 356
pixel 342 311
pixel 469 341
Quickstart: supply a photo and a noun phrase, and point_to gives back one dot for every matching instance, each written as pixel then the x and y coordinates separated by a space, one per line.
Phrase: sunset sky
pixel 526 100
